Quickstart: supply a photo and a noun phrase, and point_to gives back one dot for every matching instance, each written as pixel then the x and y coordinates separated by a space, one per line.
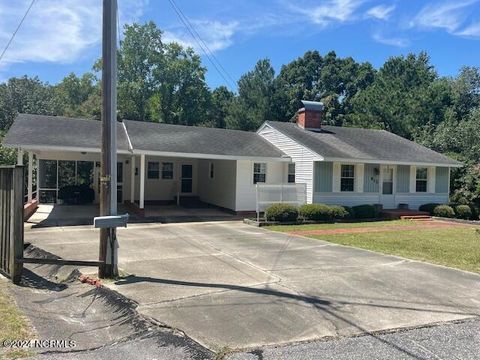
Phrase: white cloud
pixel 215 34
pixel 470 31
pixel 449 15
pixel 381 12
pixel 330 11
pixel 57 31
pixel 392 41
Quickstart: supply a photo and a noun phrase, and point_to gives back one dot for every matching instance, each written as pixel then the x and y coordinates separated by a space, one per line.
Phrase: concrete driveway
pixel 227 284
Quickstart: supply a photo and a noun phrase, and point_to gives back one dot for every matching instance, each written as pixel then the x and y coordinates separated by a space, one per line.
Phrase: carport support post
pixel 108 180
pixel 142 181
pixel 132 181
pixel 30 178
pixel 20 157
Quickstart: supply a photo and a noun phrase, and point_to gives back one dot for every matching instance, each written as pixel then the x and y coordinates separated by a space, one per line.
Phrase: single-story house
pixel 159 162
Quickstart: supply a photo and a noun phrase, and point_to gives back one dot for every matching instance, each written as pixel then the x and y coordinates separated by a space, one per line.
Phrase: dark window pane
pixel 153 170
pixel 291 178
pixel 167 170
pixel 346 184
pixel 258 178
pixel 85 173
pixel 421 186
pixel 66 173
pixel 48 173
pixel 387 188
pixel 348 171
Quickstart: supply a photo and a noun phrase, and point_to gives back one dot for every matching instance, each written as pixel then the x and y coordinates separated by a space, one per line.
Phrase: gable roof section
pixel 166 138
pixel 41 131
pixel 355 144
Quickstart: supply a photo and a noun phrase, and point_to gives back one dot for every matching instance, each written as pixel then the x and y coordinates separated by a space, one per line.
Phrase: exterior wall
pixel 221 190
pixel 245 198
pixel 368 186
pixel 301 156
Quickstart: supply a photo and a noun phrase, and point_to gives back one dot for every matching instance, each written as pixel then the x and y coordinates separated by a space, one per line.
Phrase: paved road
pixel 227 284
pixel 446 341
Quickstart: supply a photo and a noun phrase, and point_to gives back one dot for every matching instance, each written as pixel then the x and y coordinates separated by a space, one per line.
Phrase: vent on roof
pixel 310 116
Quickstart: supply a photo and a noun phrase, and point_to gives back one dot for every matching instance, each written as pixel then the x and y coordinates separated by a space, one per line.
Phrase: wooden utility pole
pixel 108 179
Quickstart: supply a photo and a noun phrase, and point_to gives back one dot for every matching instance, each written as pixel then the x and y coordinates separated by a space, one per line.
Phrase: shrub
pixel 463 212
pixel 316 212
pixel 365 211
pixel 339 212
pixel 281 212
pixel 428 207
pixel 350 212
pixel 444 211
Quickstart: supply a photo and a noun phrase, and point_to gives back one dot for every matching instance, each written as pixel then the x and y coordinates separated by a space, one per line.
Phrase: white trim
pixel 389 162
pixel 130 147
pixel 30 177
pixel 142 182
pixel 132 179
pixel 211 156
pixel 66 149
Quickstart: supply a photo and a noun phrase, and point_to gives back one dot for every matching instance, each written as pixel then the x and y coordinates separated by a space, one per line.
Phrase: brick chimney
pixel 310 116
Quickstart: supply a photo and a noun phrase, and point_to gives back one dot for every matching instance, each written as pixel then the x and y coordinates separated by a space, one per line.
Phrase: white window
pixel 291 172
pixel 421 183
pixel 347 178
pixel 211 170
pixel 153 170
pixel 167 170
pixel 259 172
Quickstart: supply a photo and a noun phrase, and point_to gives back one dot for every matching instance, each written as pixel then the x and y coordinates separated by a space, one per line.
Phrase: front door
pixel 388 197
pixel 187 179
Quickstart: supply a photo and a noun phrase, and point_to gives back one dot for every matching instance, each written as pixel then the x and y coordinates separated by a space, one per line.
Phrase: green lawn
pixel 13 324
pixel 286 228
pixel 456 247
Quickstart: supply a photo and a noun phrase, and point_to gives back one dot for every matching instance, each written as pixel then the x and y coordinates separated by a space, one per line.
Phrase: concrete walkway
pixel 227 284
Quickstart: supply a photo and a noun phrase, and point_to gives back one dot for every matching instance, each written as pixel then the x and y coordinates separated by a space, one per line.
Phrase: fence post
pixel 16 223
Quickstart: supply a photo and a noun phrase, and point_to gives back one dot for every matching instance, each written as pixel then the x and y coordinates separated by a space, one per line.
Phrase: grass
pixel 288 228
pixel 13 324
pixel 457 247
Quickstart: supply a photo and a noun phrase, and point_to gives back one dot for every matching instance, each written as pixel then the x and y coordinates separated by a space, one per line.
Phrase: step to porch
pixel 416 217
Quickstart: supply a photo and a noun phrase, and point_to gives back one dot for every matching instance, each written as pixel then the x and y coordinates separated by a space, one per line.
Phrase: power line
pixel 203 42
pixel 208 53
pixel 16 30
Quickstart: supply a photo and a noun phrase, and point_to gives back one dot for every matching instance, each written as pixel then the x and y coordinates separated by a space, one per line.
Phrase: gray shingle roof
pixel 199 140
pixel 37 131
pixel 361 144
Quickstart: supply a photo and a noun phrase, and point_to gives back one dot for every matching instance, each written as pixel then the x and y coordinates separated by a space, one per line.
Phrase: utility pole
pixel 108 179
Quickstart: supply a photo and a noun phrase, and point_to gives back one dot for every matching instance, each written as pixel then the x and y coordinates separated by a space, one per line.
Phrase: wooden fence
pixel 11 221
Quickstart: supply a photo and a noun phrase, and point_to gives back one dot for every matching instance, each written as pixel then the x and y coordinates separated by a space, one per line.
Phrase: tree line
pixel 165 82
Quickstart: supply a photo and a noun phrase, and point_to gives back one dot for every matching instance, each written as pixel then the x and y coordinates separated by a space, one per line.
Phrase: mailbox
pixel 113 221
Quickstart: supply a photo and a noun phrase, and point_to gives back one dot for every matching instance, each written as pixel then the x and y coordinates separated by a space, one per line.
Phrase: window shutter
pixel 336 177
pixel 359 177
pixel 431 179
pixel 413 178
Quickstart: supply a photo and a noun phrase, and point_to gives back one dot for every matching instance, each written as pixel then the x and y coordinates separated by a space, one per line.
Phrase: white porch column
pixel 20 157
pixel 30 177
pixel 142 181
pixel 132 180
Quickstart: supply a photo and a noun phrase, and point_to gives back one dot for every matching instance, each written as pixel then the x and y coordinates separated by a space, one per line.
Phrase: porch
pixel 48 215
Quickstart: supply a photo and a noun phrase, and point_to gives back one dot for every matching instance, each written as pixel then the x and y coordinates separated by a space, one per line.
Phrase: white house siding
pixel 245 198
pixel 221 189
pixel 300 155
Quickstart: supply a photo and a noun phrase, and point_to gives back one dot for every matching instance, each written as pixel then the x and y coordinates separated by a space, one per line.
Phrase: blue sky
pixel 59 37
